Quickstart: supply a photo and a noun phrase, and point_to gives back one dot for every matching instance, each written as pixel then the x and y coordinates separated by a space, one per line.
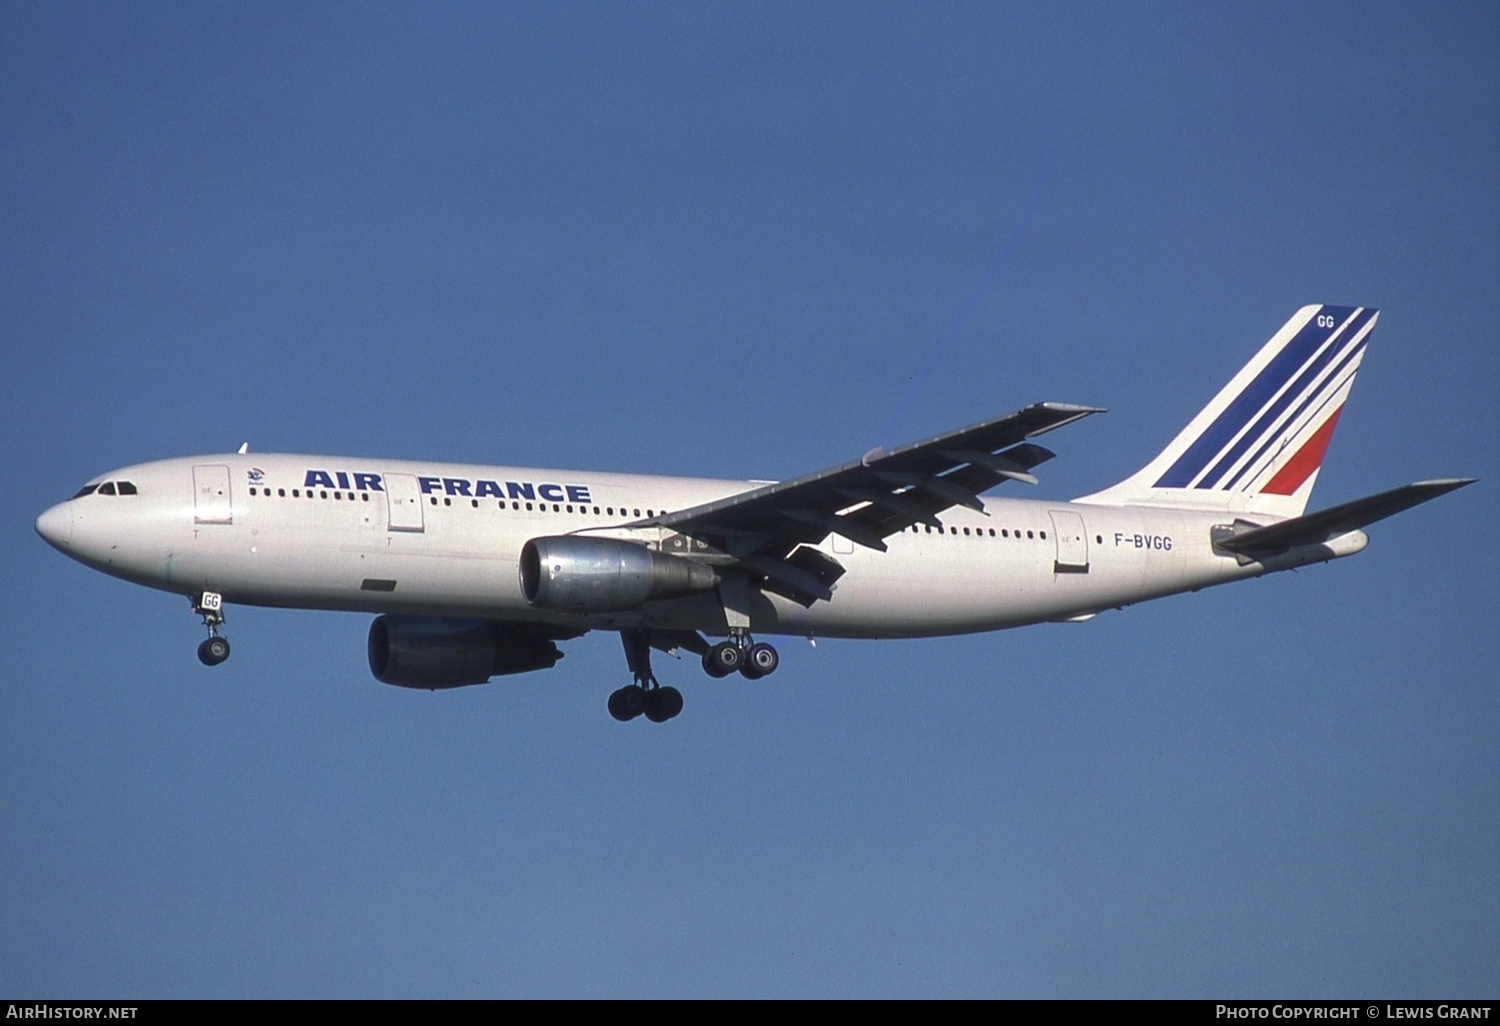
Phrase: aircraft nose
pixel 56 525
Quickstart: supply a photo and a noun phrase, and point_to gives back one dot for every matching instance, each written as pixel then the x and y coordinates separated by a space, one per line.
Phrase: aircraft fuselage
pixel 387 536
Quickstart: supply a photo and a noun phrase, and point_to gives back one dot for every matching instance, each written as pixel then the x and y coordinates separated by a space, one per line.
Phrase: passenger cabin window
pixel 86 490
pixel 107 488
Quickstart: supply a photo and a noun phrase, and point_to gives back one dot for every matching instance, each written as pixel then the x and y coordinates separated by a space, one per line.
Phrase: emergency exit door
pixel 211 495
pixel 1072 542
pixel 403 500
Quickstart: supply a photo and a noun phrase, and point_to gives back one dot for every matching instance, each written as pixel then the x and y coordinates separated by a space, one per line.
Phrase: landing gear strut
pixel 754 659
pixel 214 649
pixel 658 703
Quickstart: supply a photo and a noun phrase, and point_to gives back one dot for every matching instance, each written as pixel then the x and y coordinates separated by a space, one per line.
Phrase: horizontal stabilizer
pixel 1316 528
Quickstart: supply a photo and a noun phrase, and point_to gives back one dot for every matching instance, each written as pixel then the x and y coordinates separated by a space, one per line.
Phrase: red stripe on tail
pixel 1308 459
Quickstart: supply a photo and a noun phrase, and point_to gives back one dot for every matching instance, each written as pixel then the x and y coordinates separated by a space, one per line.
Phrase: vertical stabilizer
pixel 1258 446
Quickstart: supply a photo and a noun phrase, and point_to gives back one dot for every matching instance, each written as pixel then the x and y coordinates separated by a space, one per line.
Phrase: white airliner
pixel 478 571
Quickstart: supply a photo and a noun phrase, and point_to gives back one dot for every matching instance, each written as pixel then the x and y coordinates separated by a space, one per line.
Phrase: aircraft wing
pixel 770 531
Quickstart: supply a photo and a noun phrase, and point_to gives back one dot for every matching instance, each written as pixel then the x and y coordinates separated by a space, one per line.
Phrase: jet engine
pixel 605 575
pixel 438 652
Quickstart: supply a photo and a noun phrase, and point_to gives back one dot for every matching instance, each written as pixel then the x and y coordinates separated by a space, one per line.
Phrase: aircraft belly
pixel 930 586
pixel 934 585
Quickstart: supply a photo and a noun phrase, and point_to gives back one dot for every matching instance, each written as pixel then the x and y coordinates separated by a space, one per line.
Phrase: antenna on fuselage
pixel 244 448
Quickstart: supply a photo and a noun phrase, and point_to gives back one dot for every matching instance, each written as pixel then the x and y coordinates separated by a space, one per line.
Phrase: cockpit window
pixel 85 490
pixel 107 488
pixel 127 488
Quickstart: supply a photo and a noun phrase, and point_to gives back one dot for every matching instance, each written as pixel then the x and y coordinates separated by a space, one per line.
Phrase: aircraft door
pixel 211 495
pixel 403 502
pixel 1072 542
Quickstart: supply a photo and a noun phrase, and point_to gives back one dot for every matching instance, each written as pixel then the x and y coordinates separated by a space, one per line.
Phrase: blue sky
pixel 747 242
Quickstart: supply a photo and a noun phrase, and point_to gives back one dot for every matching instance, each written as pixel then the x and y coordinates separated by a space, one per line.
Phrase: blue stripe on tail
pixel 1320 396
pixel 1254 397
pixel 1266 419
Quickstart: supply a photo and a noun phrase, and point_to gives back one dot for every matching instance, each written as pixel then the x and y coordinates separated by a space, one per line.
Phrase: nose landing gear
pixel 214 649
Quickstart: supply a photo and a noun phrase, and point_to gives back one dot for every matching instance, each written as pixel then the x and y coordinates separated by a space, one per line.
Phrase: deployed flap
pixel 1315 528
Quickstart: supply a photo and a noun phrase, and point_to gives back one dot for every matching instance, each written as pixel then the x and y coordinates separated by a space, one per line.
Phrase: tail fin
pixel 1258 446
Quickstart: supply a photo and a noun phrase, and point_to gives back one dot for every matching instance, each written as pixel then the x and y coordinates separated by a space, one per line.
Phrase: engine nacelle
pixel 605 575
pixel 437 652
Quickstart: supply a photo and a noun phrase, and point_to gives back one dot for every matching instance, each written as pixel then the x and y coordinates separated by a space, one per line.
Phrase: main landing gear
pixel 658 704
pixel 754 659
pixel 645 697
pixel 214 649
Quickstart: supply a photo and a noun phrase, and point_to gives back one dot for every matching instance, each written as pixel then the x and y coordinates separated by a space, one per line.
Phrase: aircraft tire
pixel 213 651
pixel 763 658
pixel 626 703
pixel 669 701
pixel 722 660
